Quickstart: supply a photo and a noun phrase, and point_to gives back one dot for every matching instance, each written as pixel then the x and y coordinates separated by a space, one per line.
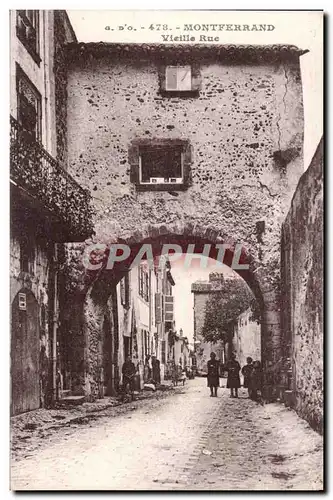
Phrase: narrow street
pixel 187 440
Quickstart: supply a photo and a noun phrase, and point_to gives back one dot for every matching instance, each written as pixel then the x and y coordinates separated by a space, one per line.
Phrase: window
pixel 178 78
pixel 163 352
pixel 127 346
pixel 158 308
pixel 168 308
pixel 28 105
pixel 161 164
pixel 144 291
pixel 27 30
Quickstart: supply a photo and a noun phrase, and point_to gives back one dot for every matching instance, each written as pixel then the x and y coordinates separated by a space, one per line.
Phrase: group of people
pixel 151 371
pixel 252 373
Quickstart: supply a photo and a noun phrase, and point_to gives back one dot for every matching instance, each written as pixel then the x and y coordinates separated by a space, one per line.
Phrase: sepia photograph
pixel 166 250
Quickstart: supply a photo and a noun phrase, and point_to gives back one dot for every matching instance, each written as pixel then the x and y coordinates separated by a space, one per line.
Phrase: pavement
pixel 179 440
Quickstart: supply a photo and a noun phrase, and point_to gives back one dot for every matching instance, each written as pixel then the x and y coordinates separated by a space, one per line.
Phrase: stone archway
pixel 262 278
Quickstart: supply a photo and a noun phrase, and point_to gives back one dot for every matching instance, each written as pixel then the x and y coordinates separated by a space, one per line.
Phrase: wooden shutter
pixel 163 351
pixel 158 308
pixel 171 78
pixel 122 292
pixel 169 308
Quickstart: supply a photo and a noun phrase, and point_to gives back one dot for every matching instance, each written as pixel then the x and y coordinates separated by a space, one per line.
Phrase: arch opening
pixel 101 300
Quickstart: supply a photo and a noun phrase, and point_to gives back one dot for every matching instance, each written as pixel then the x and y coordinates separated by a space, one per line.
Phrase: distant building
pixel 181 352
pixel 246 339
pixel 201 292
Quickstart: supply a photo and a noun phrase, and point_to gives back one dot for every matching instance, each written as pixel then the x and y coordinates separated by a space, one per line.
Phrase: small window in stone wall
pixel 180 79
pixel 160 164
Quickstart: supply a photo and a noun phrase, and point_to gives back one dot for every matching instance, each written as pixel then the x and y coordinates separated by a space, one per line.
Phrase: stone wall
pixel 245 115
pixel 245 129
pixel 302 295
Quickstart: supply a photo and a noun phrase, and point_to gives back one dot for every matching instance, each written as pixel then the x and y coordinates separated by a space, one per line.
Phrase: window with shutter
pixel 182 80
pixel 169 308
pixel 163 352
pixel 158 308
pixel 27 31
pixel 178 78
pixel 28 105
pixel 124 291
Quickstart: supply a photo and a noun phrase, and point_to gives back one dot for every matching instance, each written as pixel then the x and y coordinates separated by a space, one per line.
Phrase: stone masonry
pixel 302 277
pixel 245 135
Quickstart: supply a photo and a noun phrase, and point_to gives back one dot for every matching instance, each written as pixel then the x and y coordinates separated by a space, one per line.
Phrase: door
pixel 25 353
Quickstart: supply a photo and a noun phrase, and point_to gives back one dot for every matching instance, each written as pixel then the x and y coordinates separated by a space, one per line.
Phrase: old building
pixel 201 292
pixel 146 315
pixel 246 339
pixel 185 144
pixel 48 207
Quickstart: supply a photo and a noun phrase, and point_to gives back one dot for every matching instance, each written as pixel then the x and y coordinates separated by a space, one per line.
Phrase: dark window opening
pixel 28 105
pixel 27 30
pixel 161 165
pixel 127 346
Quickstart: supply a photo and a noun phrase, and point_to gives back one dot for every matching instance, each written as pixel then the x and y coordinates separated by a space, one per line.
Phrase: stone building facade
pixel 231 120
pixel 302 297
pixel 246 338
pixel 45 204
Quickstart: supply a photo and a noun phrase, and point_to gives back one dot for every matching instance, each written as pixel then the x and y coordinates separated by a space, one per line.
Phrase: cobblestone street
pixel 187 440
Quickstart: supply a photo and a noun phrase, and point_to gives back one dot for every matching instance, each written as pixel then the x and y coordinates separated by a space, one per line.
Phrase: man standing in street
pixel 156 370
pixel 213 380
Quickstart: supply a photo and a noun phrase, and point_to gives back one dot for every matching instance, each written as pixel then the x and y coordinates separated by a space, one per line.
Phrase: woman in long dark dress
pixel 233 381
pixel 255 386
pixel 246 371
pixel 213 380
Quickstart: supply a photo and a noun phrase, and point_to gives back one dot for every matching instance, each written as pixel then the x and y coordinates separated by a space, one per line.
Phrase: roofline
pixel 70 26
pixel 233 53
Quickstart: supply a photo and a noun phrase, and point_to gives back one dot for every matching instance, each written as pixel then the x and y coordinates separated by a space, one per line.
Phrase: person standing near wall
pixel 233 381
pixel 246 371
pixel 156 370
pixel 213 380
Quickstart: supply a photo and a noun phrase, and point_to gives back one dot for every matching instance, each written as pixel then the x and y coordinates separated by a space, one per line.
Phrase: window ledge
pixel 161 187
pixel 185 94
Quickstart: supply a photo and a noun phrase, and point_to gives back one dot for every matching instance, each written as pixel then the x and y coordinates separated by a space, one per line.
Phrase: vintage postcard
pixel 166 265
